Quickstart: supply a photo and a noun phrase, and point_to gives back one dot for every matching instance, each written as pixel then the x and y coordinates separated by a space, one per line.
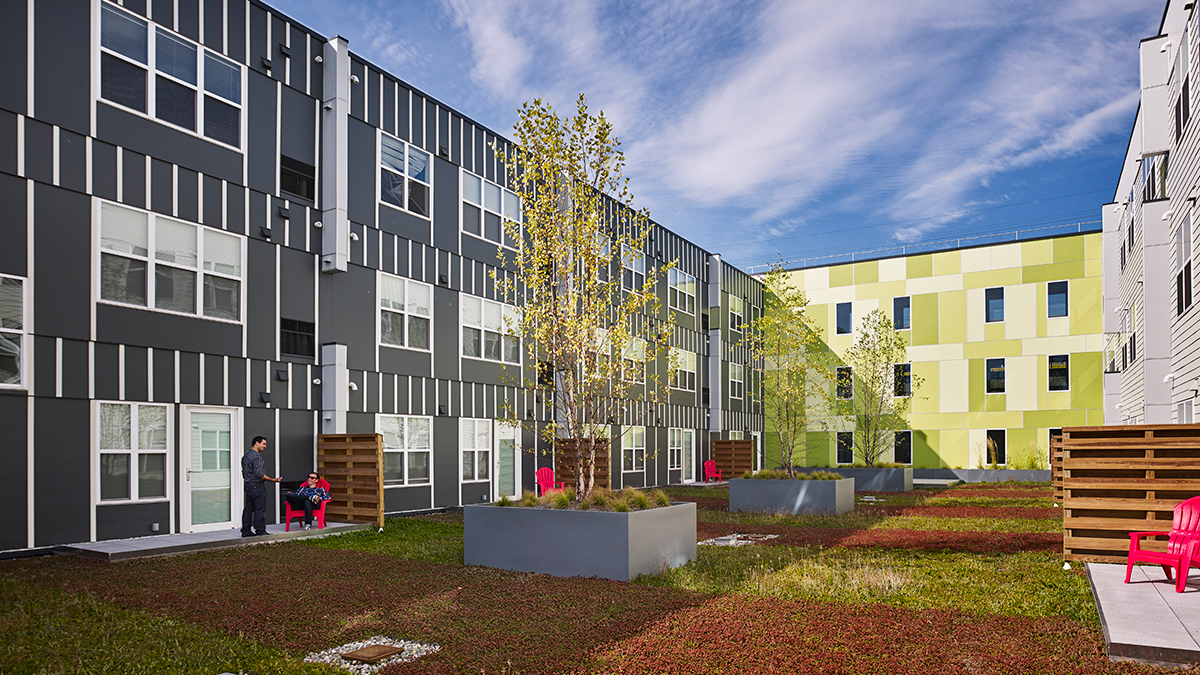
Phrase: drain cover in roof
pixel 372 654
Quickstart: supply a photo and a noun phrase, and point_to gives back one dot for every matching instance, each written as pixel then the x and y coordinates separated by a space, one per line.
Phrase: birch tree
pixel 883 382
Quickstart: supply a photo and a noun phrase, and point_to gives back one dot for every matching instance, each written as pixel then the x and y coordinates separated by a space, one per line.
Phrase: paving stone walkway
pixel 166 544
pixel 1146 620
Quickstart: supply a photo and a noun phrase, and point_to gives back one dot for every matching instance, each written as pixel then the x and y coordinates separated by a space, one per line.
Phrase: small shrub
pixel 559 500
pixel 824 475
pixel 619 506
pixel 599 497
pixel 528 498
pixel 1029 457
pixel 583 506
pixel 504 501
pixel 639 501
pixel 660 498
pixel 571 493
pixel 889 465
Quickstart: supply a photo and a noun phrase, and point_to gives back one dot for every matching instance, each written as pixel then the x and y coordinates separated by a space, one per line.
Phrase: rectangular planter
pixel 567 543
pixel 871 480
pixel 985 475
pixel 791 497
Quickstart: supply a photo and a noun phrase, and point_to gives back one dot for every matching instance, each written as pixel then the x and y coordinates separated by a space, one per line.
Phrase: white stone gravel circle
pixel 412 651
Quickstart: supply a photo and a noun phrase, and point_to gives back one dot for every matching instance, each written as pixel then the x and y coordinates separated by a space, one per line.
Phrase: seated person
pixel 307 497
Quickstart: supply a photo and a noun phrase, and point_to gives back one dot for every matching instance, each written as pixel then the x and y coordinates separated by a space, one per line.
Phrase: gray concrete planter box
pixel 791 497
pixel 871 480
pixel 566 543
pixel 985 475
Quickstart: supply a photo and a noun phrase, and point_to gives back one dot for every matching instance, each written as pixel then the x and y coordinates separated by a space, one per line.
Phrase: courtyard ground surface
pixel 962 580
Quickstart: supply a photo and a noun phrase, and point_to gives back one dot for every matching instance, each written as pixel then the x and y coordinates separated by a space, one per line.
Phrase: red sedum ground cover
pixel 969 542
pixel 1020 512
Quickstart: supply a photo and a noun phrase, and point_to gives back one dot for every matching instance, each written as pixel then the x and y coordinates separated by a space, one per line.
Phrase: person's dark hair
pixel 257 439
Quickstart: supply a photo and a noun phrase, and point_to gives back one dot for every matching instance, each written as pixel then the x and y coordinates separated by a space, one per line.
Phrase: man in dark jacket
pixel 254 509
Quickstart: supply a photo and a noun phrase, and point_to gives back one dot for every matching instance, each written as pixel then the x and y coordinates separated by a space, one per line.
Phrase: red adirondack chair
pixel 318 511
pixel 711 471
pixel 1182 544
pixel 546 483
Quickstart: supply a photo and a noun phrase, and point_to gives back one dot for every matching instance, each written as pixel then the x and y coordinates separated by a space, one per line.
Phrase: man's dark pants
pixel 254 512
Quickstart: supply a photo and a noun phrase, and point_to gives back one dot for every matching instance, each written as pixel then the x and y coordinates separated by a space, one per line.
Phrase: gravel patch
pixel 737 540
pixel 412 652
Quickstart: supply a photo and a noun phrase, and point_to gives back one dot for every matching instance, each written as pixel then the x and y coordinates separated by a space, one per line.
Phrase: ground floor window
pixel 407 442
pixel 902 450
pixel 679 448
pixel 475 441
pixel 845 447
pixel 996 449
pixel 12 329
pixel 633 449
pixel 132 446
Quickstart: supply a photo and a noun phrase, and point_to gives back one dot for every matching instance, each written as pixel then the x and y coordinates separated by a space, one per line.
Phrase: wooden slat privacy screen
pixel 733 457
pixel 353 465
pixel 564 462
pixel 1122 479
pixel 1056 470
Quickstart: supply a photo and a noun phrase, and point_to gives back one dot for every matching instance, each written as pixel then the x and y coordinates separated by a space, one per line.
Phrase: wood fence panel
pixel 1056 469
pixel 353 465
pixel 1121 479
pixel 733 457
pixel 564 462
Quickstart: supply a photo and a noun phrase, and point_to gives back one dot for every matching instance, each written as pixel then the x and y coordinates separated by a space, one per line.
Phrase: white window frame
pixel 675 448
pixel 1185 412
pixel 633 455
pixel 404 176
pixel 1068 299
pixel 683 363
pixel 406 451
pixel 1004 362
pixel 896 435
pixel 837 329
pixel 910 388
pixel 1003 305
pixel 737 314
pixel 134 453
pixel 509 210
pixel 22 334
pixel 152 262
pixel 482 442
pixel 902 297
pixel 508 323
pixel 836 436
pixel 152 72
pixel 634 263
pixel 737 382
pixel 1058 391
pixel 837 383
pixel 633 361
pixel 678 296
pixel 380 309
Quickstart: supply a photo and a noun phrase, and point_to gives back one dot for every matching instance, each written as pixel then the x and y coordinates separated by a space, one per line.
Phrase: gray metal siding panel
pixel 136 6
pixel 237 381
pixel 14 225
pixel 388 123
pixel 133 178
pixel 417 119
pixel 124 521
pixel 316 70
pixel 8 132
pixel 13 54
pixel 258 39
pixel 62 241
pixel 163 12
pixel 130 326
pixel 235 14
pixel 431 127
pixel 260 134
pixel 445 205
pixel 361 172
pixel 445 327
pixel 62 60
pixel 235 210
pixel 297 285
pixel 260 300
pixel 445 461
pixel 372 84
pixel 137 387
pixel 258 384
pixel 214 29
pixel 62 471
pixel 189 19
pixel 297 137
pixel 39 151
pixel 189 377
pixel 210 212
pixel 72 161
pixel 358 103
pixel 44 366
pixel 278 37
pixel 164 375
pixel 104 170
pixel 456 154
pixel 189 195
pixel 75 370
pixel 107 371
pixel 14 419
pixel 296 443
pixel 405 361
pixel 138 133
pixel 348 309
pixel 404 225
pixel 162 192
pixel 411 498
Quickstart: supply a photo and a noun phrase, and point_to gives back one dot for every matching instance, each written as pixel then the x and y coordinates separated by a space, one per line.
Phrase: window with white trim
pixel 485 208
pixel 737 313
pixel 475 442
pixel 902 380
pixel 844 381
pixel 152 261
pixel 681 291
pixel 487 330
pixel 737 381
pixel 679 445
pixel 404 175
pixel 845 447
pixel 133 444
pixel 683 373
pixel 1183 266
pixel 405 310
pixel 407 445
pixel 634 265
pixel 633 360
pixel 176 81
pixel 994 381
pixel 902 447
pixel 12 331
pixel 633 449
pixel 1059 372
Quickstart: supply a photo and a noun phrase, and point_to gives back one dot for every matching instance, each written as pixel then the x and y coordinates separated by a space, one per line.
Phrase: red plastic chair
pixel 546 483
pixel 1182 542
pixel 318 512
pixel 711 471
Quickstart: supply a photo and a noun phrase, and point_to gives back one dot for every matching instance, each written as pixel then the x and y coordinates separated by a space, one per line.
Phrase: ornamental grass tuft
pixel 780 474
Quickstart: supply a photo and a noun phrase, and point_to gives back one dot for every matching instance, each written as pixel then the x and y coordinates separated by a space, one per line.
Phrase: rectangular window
pixel 902 380
pixel 902 313
pixel 996 448
pixel 1184 413
pixel 297 178
pixel 634 267
pixel 405 309
pixel 902 448
pixel 681 291
pixel 844 318
pixel 407 443
pixel 737 313
pixel 297 338
pixel 476 445
pixel 845 382
pixel 845 447
pixel 1154 177
pixel 633 449
pixel 737 385
pixel 1056 299
pixel 133 448
pixel 1183 266
pixel 404 175
pixel 12 331
pixel 995 376
pixel 994 304
pixel 1060 372
pixel 486 207
pixel 176 81
pixel 489 330
pixel 633 361
pixel 152 261
pixel 679 449
pixel 683 364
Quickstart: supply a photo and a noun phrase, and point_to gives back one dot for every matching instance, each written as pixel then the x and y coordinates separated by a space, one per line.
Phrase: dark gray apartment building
pixel 219 224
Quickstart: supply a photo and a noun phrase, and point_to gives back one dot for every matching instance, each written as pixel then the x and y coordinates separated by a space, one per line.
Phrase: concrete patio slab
pixel 1146 620
pixel 114 550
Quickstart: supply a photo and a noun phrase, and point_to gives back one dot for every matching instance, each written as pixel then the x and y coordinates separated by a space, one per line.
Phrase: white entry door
pixel 508 461
pixel 688 440
pixel 211 469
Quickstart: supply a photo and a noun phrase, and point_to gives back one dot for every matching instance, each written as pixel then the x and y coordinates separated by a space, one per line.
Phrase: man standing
pixel 254 511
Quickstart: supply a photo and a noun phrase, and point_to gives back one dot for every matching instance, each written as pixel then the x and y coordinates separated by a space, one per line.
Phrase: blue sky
pixel 799 129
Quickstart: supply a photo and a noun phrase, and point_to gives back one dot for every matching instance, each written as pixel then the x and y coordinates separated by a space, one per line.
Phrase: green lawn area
pixel 874 591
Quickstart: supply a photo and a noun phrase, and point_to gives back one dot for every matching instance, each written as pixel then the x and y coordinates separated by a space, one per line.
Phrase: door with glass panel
pixel 508 461
pixel 212 482
pixel 688 450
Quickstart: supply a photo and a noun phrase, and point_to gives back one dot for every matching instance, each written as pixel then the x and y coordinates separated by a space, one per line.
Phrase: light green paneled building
pixel 1008 338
